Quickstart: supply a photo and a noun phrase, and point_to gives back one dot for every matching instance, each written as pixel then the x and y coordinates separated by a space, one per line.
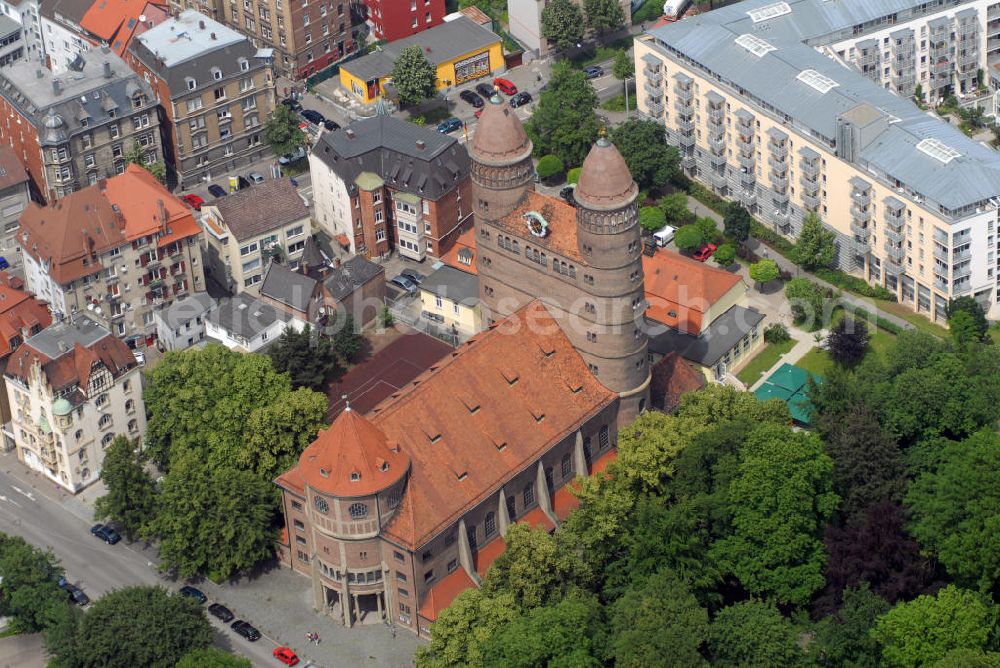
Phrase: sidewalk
pixel 804 342
pixel 80 505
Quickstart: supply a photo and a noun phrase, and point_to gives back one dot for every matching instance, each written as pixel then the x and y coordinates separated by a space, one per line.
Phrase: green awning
pixel 769 391
pixel 789 377
pixel 369 181
pixel 408 198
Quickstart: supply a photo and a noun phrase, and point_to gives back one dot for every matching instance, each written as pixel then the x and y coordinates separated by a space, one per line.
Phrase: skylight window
pixel 769 12
pixel 938 150
pixel 817 81
pixel 754 44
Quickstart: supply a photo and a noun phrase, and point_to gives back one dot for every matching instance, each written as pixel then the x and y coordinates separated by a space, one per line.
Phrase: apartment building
pixel 210 8
pixel 11 41
pixel 306 36
pixel 72 129
pixel 63 38
pixel 14 197
pixel 383 183
pixel 249 229
pixel 21 317
pixel 117 250
pixel 72 388
pixel 764 118
pixel 216 90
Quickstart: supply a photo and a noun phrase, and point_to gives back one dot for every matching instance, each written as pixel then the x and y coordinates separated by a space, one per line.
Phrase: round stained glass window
pixel 321 505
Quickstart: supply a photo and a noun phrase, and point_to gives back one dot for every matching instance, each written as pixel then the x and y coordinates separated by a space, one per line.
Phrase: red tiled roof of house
pixel 292 481
pixel 680 290
pixel 19 313
pixel 444 592
pixel 483 414
pixel 672 377
pixel 75 366
pixel 138 194
pixel 561 217
pixel 464 247
pixel 537 519
pixel 11 170
pixel 487 554
pixel 116 22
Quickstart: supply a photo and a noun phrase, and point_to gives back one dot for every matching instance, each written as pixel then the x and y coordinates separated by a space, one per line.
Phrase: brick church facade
pixel 392 514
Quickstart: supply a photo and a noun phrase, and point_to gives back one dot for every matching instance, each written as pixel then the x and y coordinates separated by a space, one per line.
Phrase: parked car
pixel 294 105
pixel 485 90
pixel 286 656
pixel 4 264
pixel 140 357
pixel 665 235
pixel 217 191
pixel 567 195
pixel 289 158
pixel 505 85
pixel 75 594
pixel 105 533
pixel 194 593
pixel 404 283
pixel 594 71
pixel 449 125
pixel 331 125
pixel 221 612
pixel 521 99
pixel 414 276
pixel 246 630
pixel 255 177
pixel 704 252
pixel 313 116
pixel 472 98
pixel 193 201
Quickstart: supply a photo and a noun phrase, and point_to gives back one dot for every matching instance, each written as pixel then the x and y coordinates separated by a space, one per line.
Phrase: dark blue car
pixel 594 71
pixel 105 533
pixel 449 125
pixel 217 191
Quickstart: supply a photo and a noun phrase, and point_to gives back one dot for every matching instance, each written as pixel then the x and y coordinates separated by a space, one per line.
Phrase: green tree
pixel 566 633
pixel 781 499
pixel 603 15
pixel 709 230
pixel 531 568
pixel 968 658
pixel 650 159
pixel 844 639
pixel 140 626
pixel 573 175
pixel 658 618
pixel 549 166
pixel 652 219
pixel 737 222
pixel 963 329
pixel 277 434
pixel 215 521
pixel 465 628
pixel 308 358
pixel 816 246
pixel 753 633
pixel 137 156
pixel 847 342
pixel 564 123
pixel 689 238
pixel 348 340
pixel 976 312
pixel 809 301
pixel 212 657
pixel 622 67
pixel 725 255
pixel 414 78
pixel 282 131
pixel 764 271
pixel 675 208
pixel 29 592
pixel 61 631
pixel 955 510
pixel 562 24
pixel 924 630
pixel 131 493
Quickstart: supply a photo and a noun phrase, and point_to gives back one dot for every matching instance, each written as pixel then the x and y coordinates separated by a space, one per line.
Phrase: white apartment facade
pixel 63 421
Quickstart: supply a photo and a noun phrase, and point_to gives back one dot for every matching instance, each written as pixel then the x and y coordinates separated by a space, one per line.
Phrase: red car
pixel 506 86
pixel 286 656
pixel 193 201
pixel 704 252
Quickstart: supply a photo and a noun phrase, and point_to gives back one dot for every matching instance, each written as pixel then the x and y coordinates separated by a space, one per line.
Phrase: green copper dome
pixel 61 407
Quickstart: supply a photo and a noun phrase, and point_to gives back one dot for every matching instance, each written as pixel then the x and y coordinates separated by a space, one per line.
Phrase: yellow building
pixel 449 298
pixel 461 49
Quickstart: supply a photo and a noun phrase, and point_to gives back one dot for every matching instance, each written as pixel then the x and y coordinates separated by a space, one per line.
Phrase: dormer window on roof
pixel 191 83
pixel 355 476
pixel 217 74
pixel 244 64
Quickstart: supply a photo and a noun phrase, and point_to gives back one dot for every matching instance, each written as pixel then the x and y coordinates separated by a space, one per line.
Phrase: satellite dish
pixel 142 18
pixel 90 307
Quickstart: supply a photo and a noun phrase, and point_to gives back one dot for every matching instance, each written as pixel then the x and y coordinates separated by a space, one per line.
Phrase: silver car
pixel 255 177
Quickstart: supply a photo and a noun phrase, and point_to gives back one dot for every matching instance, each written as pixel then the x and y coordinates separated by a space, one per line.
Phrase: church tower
pixel 607 219
pixel 502 171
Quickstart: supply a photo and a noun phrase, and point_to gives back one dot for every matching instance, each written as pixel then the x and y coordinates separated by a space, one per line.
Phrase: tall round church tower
pixel 502 171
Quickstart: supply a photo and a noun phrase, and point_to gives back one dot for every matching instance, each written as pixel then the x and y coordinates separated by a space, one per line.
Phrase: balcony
pixel 860 215
pixel 894 236
pixel 780 199
pixel 861 246
pixel 890 267
pixel 687 162
pixel 942 253
pixel 862 199
pixel 810 169
pixel 717 144
pixel 653 76
pixel 717 179
pixel 894 251
pixel 685 124
pixel 860 231
pixel 745 123
pixel 778 150
pixel 655 108
pixel 779 182
pixel 717 159
pixel 894 221
pixel 961 272
pixel 686 140
pixel 748 198
pixel 778 165
pixel 652 89
pixel 748 161
pixel 810 201
pixel 748 178
pixel 716 114
pixel 683 108
pixel 941 67
pixel 683 95
pixel 958 256
pixel 940 283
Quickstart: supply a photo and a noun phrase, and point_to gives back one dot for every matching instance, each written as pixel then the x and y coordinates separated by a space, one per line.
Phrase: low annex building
pixel 72 388
pixel 395 512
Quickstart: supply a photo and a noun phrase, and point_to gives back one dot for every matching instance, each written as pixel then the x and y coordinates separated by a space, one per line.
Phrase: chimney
pixel 39 74
pixel 56 87
pixel 421 145
pixel 350 133
pixel 336 262
pixel 107 70
pixel 105 49
pixel 163 213
pixel 213 35
pixel 201 25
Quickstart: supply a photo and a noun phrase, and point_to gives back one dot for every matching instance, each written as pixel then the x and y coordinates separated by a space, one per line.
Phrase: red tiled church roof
pixel 444 592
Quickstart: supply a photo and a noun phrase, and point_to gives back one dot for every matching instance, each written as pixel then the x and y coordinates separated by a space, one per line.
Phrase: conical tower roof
pixel 352 457
pixel 500 138
pixel 605 181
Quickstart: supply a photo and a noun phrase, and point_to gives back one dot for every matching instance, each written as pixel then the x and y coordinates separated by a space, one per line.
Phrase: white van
pixel 674 8
pixel 664 236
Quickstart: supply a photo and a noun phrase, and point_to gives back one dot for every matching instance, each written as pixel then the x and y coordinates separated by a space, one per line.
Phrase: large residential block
pixel 117 249
pixel 216 90
pixel 72 388
pixel 15 194
pixel 72 129
pixel 762 114
pixel 384 183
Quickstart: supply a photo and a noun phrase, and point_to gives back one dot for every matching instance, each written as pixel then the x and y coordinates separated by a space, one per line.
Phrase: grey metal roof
pixel 59 338
pixel 350 275
pixel 287 286
pixel 8 25
pixel 440 44
pixel 450 283
pixel 85 95
pixel 244 316
pixel 65 11
pixel 388 146
pixel 771 83
pixel 180 39
pixel 185 310
pixel 714 342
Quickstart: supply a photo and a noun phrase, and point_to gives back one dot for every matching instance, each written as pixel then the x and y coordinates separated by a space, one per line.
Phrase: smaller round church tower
pixel 501 161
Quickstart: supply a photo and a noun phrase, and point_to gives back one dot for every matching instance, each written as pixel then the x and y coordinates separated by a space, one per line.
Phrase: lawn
pixel 818 360
pixel 617 103
pixel 764 360
pixel 921 322
pixel 650 11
